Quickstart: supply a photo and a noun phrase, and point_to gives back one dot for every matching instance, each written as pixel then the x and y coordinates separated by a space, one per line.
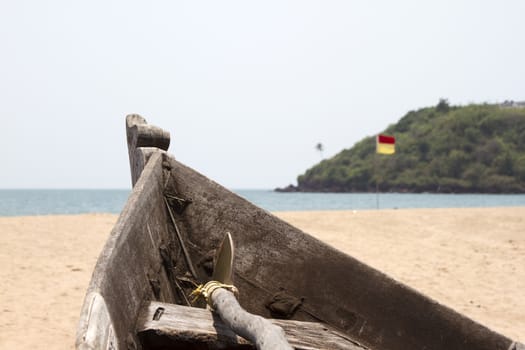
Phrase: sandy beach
pixel 472 260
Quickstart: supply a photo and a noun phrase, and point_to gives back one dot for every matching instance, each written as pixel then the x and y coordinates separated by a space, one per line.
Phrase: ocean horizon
pixel 21 202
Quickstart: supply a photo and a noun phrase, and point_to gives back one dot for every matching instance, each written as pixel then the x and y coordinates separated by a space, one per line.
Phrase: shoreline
pixel 32 202
pixel 278 212
pixel 297 189
pixel 472 260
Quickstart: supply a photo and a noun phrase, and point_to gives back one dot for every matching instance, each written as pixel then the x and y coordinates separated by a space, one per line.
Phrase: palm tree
pixel 320 148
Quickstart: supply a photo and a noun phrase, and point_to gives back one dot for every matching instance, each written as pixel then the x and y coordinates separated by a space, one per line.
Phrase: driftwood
pixel 264 334
pixel 171 326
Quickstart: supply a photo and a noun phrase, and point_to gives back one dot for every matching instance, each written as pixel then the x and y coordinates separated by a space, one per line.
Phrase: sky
pixel 246 89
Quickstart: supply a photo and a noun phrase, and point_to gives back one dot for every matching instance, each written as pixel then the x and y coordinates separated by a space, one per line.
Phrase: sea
pixel 71 201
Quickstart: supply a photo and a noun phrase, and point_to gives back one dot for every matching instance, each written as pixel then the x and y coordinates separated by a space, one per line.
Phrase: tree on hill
pixel 319 147
pixel 443 106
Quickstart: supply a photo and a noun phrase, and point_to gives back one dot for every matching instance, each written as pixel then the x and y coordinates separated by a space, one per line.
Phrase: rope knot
pixel 206 290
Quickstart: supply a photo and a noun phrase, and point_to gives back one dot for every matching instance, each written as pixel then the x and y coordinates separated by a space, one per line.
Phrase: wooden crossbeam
pixel 169 326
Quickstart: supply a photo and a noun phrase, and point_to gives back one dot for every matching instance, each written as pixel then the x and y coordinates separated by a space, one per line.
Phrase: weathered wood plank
pixel 118 287
pixel 161 326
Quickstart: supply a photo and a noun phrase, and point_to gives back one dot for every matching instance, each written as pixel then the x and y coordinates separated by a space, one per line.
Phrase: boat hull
pixel 166 236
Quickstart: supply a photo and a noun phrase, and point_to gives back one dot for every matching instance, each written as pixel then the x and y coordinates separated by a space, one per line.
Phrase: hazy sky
pixel 246 89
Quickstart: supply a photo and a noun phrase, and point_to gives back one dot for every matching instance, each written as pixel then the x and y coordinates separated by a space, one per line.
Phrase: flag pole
pixel 384 145
pixel 377 181
pixel 376 175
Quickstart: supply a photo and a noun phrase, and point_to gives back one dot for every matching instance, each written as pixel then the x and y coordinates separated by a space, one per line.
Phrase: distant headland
pixel 479 148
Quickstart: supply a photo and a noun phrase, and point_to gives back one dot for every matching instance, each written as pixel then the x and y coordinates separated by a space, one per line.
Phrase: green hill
pixel 475 148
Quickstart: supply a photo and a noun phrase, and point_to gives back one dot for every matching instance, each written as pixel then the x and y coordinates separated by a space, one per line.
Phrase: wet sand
pixel 472 260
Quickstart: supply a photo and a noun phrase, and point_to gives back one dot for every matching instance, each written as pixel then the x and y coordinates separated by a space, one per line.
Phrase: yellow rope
pixel 207 289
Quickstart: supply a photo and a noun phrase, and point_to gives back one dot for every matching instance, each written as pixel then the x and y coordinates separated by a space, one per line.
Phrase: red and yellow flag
pixel 386 144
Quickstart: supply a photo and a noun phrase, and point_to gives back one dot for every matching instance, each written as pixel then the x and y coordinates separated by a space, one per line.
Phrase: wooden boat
pixel 163 245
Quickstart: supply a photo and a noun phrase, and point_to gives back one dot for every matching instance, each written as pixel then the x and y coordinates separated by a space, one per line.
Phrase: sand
pixel 472 260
